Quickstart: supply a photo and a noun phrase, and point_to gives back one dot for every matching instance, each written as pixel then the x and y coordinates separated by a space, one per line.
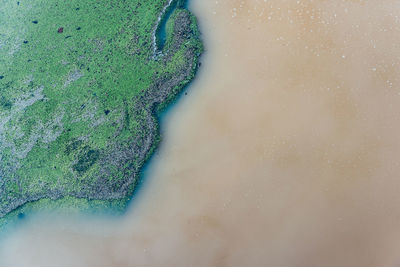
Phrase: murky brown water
pixel 286 152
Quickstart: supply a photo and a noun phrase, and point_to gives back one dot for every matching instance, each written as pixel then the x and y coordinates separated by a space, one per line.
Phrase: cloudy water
pixel 285 152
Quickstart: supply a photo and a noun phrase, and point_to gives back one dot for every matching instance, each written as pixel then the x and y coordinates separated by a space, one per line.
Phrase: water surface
pixel 285 152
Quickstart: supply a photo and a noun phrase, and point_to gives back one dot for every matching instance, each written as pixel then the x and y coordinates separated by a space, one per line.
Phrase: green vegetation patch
pixel 80 85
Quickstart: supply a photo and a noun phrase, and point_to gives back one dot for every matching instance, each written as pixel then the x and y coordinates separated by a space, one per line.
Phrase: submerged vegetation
pixel 80 85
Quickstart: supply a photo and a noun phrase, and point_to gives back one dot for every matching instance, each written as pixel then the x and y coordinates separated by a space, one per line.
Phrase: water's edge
pixel 160 114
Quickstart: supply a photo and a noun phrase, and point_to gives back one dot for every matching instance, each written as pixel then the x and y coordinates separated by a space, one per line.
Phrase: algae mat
pixel 81 83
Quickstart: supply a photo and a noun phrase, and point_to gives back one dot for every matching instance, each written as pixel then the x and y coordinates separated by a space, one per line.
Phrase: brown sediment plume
pixel 284 153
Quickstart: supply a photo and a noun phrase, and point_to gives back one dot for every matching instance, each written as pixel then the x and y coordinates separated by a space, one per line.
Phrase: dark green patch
pixel 5 103
pixel 86 159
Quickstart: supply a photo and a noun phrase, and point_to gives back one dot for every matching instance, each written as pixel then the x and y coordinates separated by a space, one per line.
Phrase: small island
pixel 81 86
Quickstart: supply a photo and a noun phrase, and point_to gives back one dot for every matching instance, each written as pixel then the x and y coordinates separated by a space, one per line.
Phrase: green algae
pixel 81 83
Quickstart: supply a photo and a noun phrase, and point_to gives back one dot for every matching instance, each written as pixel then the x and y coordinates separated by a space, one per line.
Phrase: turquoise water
pixel 161 34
